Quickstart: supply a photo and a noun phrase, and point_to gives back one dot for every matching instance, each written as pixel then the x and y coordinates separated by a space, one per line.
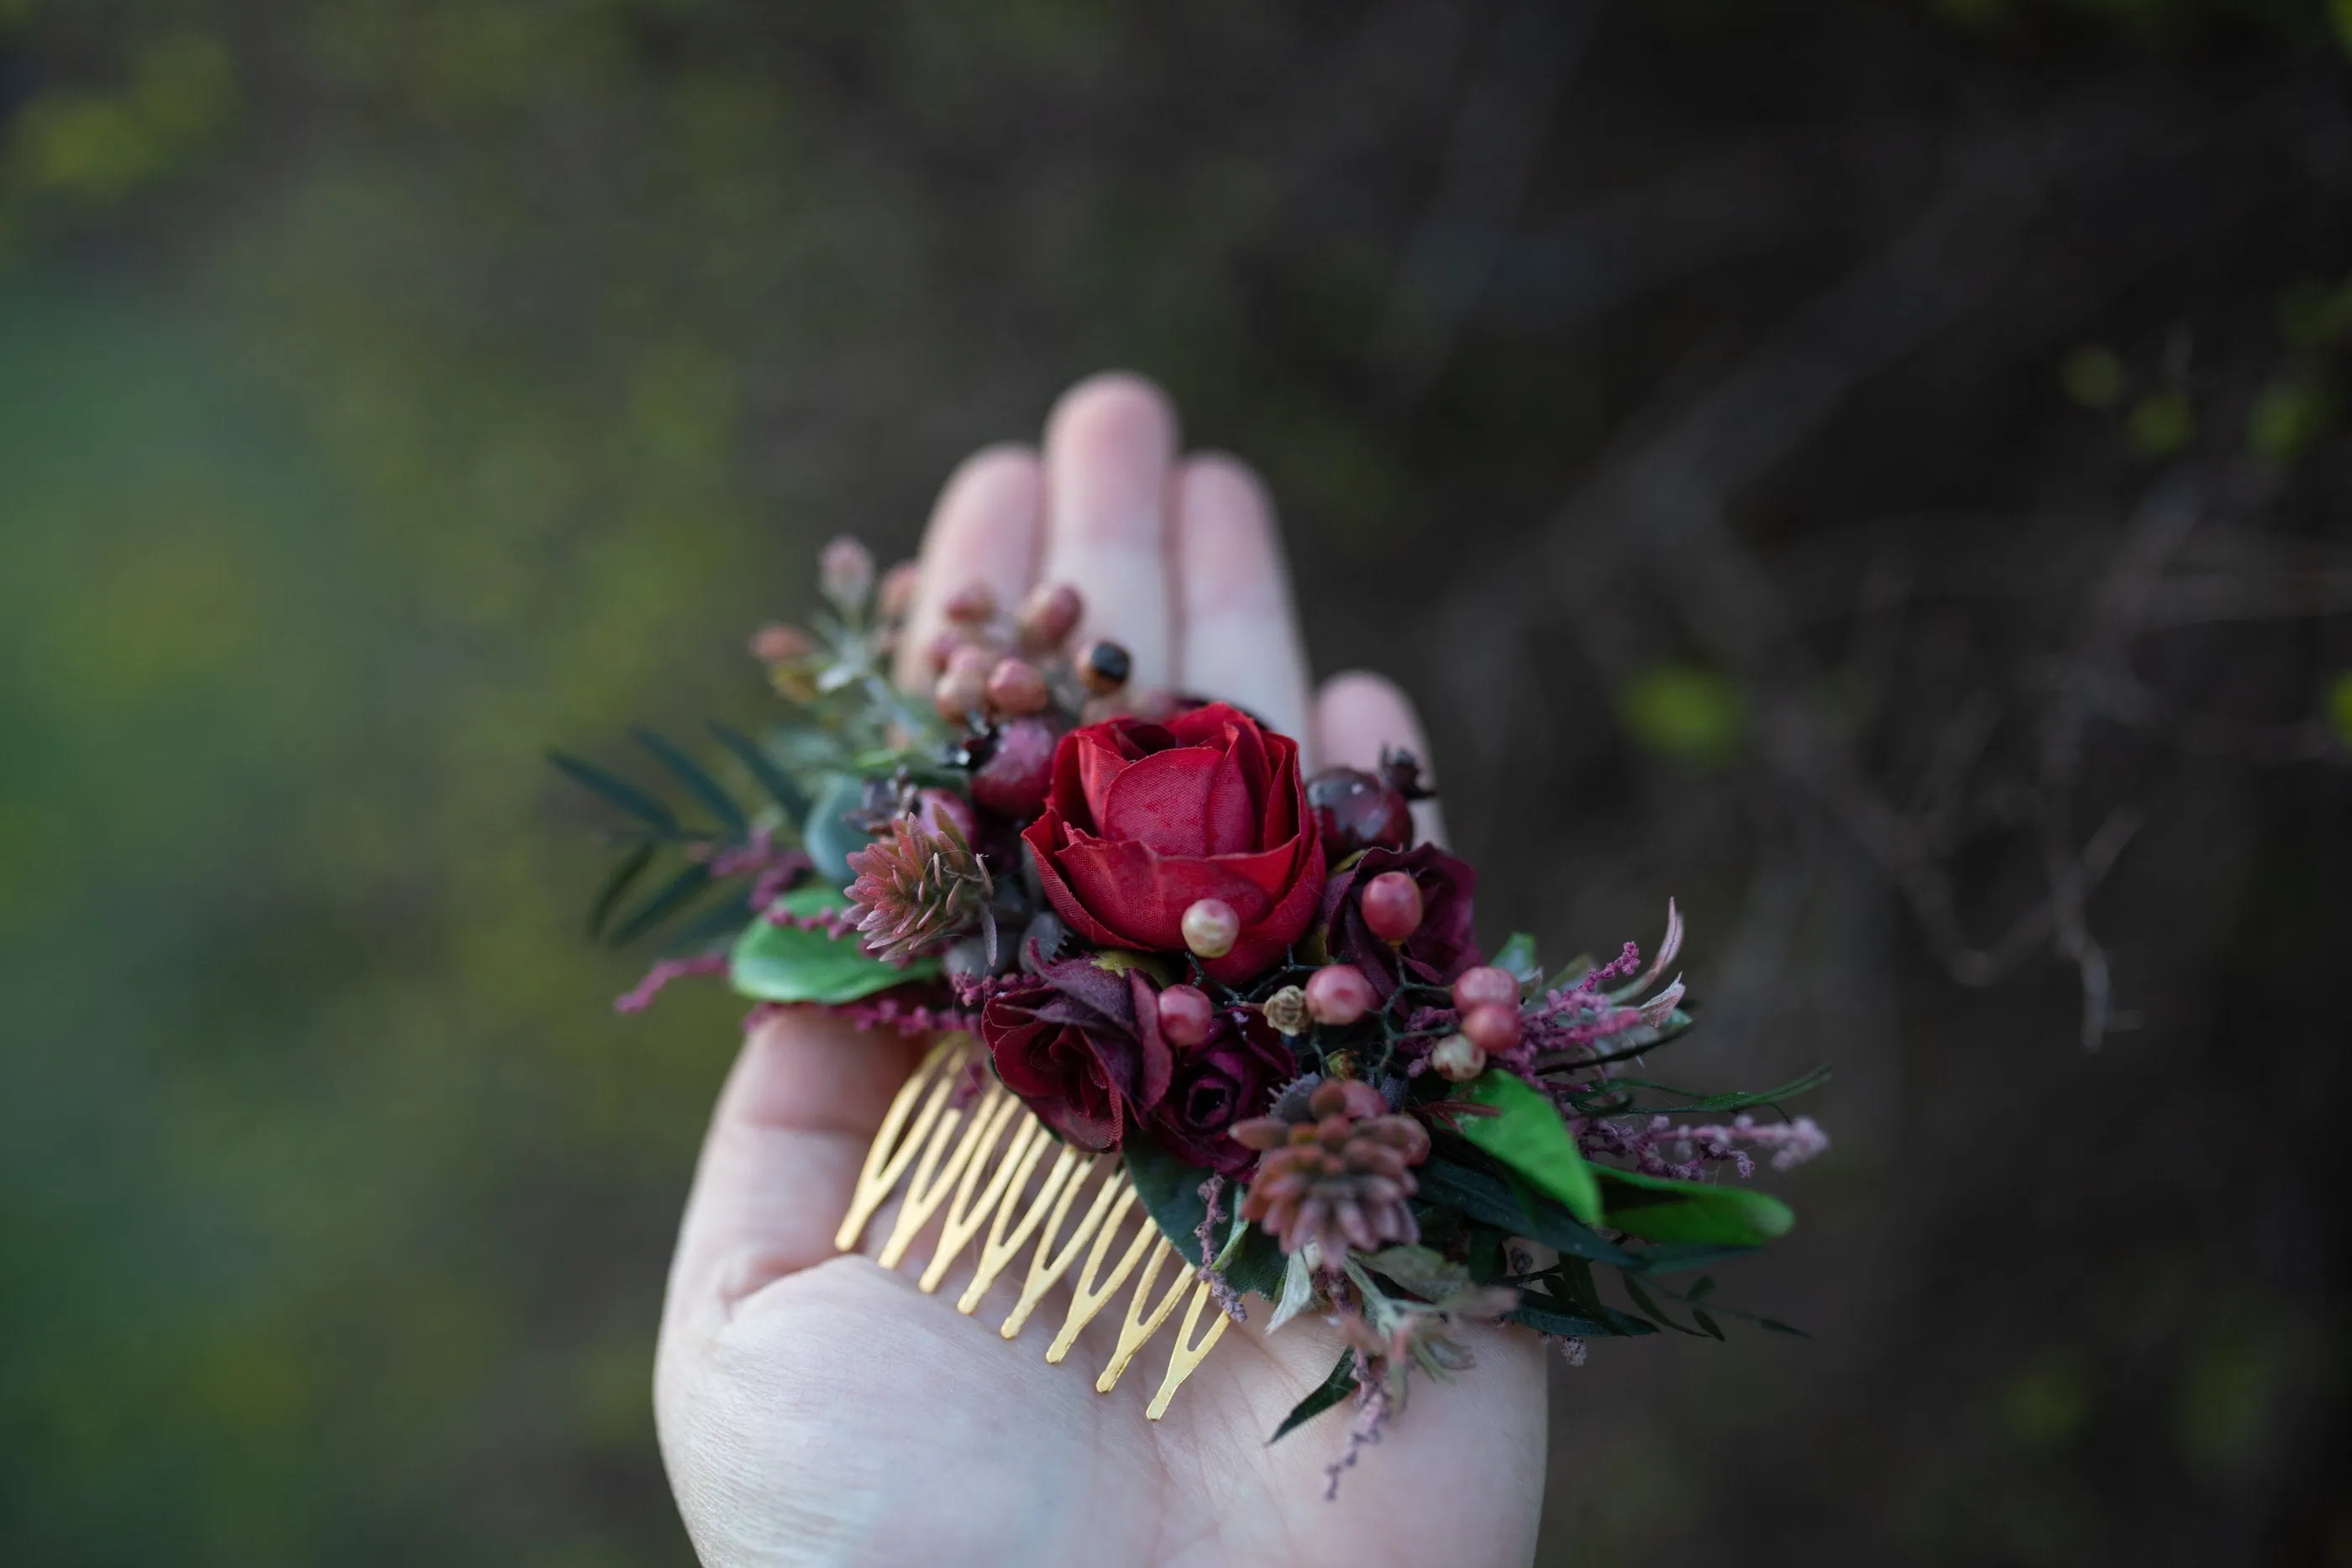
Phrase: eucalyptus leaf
pixel 1527 1135
pixel 1329 1392
pixel 787 963
pixel 828 836
pixel 1663 1208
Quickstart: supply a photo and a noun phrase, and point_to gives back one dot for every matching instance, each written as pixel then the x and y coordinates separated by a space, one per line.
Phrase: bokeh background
pixel 1871 468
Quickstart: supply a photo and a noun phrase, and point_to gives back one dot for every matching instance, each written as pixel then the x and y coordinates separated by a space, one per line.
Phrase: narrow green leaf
pixel 786 964
pixel 1709 1323
pixel 618 792
pixel 1329 1392
pixel 1297 1292
pixel 779 785
pixel 1517 957
pixel 624 875
pixel 1485 1199
pixel 674 895
pixel 699 783
pixel 1642 1299
pixel 1739 1101
pixel 1528 1135
pixel 1661 1208
pixel 1616 1326
pixel 1674 1257
pixel 1421 1271
pixel 1170 1191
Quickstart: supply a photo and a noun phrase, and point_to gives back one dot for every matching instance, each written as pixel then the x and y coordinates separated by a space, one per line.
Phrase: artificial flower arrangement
pixel 1204 1020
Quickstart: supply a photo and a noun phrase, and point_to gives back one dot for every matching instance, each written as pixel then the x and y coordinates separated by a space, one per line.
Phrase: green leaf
pixel 1170 1191
pixel 1642 1299
pixel 1673 1257
pixel 779 785
pixel 675 894
pixel 1739 1101
pixel 1518 958
pixel 618 792
pixel 1329 1392
pixel 699 783
pixel 1485 1199
pixel 786 964
pixel 1616 1326
pixel 1258 1267
pixel 1297 1292
pixel 1528 1135
pixel 624 875
pixel 1661 1208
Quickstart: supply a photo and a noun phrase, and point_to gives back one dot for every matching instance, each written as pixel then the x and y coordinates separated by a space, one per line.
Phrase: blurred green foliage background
pixel 389 391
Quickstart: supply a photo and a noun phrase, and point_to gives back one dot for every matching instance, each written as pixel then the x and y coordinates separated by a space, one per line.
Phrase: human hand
pixel 814 1407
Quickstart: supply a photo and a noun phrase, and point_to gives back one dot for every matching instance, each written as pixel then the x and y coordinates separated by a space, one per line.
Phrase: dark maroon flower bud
pixel 940 808
pixel 1357 812
pixel 1491 1027
pixel 1391 907
pixel 1485 984
pixel 1437 950
pixel 1186 1015
pixel 1048 616
pixel 1015 687
pixel 1229 1075
pixel 1013 781
pixel 1339 994
pixel 1104 667
pixel 1082 1048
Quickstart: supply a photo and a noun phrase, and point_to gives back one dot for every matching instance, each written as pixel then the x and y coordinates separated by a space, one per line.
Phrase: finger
pixel 781 1162
pixel 1359 713
pixel 1110 447
pixel 1237 632
pixel 984 529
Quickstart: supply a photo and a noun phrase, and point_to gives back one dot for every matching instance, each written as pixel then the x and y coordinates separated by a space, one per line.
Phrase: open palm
pixel 814 1407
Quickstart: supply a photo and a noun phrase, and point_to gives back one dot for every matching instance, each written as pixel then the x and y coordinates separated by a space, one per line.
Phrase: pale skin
pixel 814 1408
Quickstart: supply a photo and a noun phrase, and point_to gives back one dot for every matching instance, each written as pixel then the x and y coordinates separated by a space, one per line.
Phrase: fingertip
pixel 986 527
pixel 1121 409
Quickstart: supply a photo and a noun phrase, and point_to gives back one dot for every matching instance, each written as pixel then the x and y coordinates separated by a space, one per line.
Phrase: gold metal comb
pixel 979 1163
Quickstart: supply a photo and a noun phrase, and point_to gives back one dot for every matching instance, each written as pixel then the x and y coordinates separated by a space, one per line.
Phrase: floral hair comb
pixel 1206 1025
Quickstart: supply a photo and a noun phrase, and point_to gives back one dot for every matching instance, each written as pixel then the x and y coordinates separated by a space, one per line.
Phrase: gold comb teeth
pixel 978 1162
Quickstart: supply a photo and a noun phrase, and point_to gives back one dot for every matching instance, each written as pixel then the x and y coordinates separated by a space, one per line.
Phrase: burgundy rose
pixel 1228 1077
pixel 1082 1047
pixel 1148 817
pixel 1440 947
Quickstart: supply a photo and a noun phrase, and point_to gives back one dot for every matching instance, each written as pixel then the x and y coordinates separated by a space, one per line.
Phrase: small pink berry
pixel 1015 687
pixel 1210 928
pixel 1048 616
pixel 1391 907
pixel 1339 994
pixel 964 686
pixel 942 647
pixel 1491 1027
pixel 1186 1015
pixel 1456 1060
pixel 1485 984
pixel 972 606
pixel 898 595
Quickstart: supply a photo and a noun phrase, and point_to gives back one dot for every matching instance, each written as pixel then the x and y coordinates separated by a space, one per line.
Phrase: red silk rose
pixel 1148 817
pixel 1082 1047
pixel 1228 1077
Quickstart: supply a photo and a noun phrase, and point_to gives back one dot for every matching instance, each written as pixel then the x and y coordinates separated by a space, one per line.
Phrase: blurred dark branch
pixel 1498 137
